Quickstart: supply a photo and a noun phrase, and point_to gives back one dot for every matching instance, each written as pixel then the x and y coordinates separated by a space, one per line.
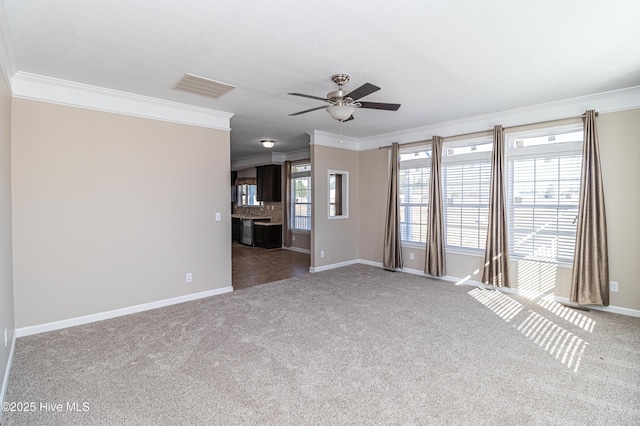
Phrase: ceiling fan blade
pixel 380 105
pixel 349 119
pixel 309 96
pixel 362 91
pixel 308 110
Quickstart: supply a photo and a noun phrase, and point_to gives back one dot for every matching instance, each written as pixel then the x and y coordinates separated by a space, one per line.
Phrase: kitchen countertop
pixel 267 223
pixel 246 216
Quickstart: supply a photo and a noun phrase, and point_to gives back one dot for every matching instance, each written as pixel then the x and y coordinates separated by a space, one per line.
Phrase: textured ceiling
pixel 442 60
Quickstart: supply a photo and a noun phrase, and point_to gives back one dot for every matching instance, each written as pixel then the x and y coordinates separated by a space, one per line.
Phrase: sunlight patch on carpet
pixel 566 313
pixel 499 303
pixel 563 345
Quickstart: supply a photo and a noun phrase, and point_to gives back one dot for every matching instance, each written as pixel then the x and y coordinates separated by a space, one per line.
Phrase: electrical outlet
pixel 613 285
pixel 412 256
pixel 321 253
pixel 189 277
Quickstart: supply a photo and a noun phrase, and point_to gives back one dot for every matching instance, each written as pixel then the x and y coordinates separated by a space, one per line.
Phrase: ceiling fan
pixel 342 104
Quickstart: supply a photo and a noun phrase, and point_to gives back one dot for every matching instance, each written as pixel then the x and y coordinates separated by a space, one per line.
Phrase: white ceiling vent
pixel 203 86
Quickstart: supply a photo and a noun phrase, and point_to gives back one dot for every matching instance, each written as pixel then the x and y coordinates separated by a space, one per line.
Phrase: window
pixel 338 194
pixel 466 178
pixel 415 170
pixel 247 195
pixel 301 196
pixel 543 191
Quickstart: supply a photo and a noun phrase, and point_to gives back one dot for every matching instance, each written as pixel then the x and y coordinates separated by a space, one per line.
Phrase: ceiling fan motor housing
pixel 337 96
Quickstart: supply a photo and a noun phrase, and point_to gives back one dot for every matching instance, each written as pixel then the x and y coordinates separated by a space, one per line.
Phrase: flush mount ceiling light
pixel 268 143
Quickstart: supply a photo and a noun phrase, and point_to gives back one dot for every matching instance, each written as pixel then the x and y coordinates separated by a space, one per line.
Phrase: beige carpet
pixel 356 345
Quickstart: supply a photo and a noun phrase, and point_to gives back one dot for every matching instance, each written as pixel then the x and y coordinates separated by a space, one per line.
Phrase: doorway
pixel 253 266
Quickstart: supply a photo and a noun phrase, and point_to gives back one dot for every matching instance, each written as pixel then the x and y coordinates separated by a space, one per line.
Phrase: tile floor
pixel 254 265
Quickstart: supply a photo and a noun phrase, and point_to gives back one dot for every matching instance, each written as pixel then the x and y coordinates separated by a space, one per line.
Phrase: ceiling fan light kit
pixel 342 104
pixel 268 143
pixel 340 112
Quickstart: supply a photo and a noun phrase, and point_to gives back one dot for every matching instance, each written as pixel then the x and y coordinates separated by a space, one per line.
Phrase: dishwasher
pixel 247 232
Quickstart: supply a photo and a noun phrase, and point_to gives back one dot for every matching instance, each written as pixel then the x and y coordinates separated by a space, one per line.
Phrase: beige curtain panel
pixel 496 255
pixel 286 212
pixel 392 252
pixel 435 255
pixel 590 281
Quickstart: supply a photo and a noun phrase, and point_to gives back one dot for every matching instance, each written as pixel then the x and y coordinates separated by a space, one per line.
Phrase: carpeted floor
pixel 355 345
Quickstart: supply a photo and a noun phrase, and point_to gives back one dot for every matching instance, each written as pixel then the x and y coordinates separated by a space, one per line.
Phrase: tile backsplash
pixel 275 215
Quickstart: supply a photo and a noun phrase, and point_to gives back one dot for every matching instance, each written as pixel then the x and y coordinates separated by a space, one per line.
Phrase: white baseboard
pixel 71 322
pixel 413 271
pixel 465 281
pixel 560 299
pixel 613 309
pixel 298 249
pixel 333 266
pixel 7 372
pixel 371 263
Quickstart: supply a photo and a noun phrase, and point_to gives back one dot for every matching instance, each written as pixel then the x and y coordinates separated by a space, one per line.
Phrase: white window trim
pixel 470 158
pixel 426 146
pixel 293 203
pixel 538 151
pixel 345 194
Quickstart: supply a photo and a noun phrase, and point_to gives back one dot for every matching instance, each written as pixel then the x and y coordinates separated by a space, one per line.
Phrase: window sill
pixel 419 246
pixel 470 252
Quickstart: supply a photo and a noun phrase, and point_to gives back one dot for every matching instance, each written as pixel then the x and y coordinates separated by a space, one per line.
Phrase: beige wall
pixel 6 263
pixel 338 238
pixel 619 135
pixel 111 211
pixel 372 203
pixel 301 240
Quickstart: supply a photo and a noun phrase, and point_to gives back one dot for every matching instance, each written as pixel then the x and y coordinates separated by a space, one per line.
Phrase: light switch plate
pixel 217 216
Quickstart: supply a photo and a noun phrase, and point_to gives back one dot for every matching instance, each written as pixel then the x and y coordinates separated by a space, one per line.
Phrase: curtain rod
pixel 488 131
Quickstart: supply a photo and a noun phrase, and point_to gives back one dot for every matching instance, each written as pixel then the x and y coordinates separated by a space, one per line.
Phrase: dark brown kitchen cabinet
pixel 236 229
pixel 268 235
pixel 269 181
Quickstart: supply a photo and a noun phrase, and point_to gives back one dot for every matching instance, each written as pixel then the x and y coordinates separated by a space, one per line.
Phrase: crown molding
pixel 270 158
pixel 7 58
pixel 253 161
pixel 301 154
pixel 612 101
pixel 63 92
pixel 334 141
